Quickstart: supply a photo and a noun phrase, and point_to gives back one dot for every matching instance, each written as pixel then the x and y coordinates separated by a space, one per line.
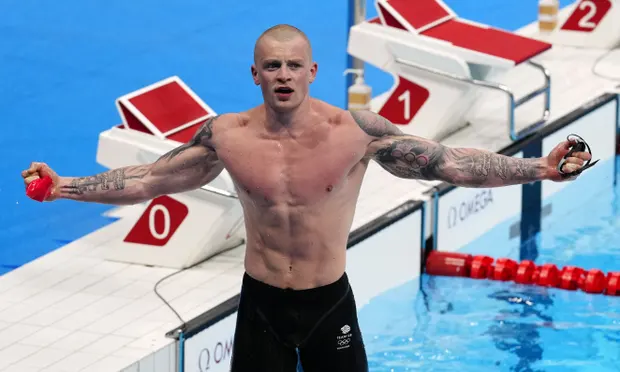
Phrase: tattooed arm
pixel 408 156
pixel 186 167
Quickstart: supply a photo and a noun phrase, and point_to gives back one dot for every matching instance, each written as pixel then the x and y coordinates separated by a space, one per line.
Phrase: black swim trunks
pixel 277 328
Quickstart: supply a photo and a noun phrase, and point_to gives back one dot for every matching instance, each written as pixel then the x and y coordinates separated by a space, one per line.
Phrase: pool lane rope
pixel 570 278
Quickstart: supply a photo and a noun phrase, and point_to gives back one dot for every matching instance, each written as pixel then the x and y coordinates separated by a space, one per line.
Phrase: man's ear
pixel 254 71
pixel 313 70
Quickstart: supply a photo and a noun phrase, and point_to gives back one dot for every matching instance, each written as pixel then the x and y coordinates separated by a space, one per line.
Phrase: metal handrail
pixel 513 104
pixel 215 190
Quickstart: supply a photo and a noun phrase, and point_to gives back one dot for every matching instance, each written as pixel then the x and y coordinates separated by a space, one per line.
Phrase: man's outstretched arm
pixel 184 168
pixel 408 156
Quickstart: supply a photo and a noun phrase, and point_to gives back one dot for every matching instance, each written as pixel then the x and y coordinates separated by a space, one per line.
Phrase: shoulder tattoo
pixel 201 138
pixel 374 124
pixel 205 133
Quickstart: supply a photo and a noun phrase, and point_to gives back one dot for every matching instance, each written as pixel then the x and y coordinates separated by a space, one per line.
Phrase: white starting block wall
pixel 173 230
pixel 413 99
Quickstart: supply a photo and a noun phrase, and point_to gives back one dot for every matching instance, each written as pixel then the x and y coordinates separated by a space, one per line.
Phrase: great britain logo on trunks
pixel 344 341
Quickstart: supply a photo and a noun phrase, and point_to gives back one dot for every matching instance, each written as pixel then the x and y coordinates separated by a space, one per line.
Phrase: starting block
pixel 165 109
pixel 585 23
pixel 438 62
pixel 177 230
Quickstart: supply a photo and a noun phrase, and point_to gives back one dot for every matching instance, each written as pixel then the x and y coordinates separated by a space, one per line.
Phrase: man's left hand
pixel 572 163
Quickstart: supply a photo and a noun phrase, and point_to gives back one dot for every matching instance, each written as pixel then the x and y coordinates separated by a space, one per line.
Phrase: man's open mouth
pixel 284 90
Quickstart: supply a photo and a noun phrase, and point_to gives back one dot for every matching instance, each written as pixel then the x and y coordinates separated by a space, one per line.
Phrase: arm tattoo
pixel 375 125
pixel 412 157
pixel 408 156
pixel 111 180
pixel 116 179
pixel 202 137
pixel 483 168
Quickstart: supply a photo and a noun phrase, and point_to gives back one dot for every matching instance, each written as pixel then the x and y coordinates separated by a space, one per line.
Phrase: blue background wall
pixel 63 63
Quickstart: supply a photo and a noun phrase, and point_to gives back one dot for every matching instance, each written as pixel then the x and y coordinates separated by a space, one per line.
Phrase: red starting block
pixel 430 51
pixel 167 109
pixel 175 230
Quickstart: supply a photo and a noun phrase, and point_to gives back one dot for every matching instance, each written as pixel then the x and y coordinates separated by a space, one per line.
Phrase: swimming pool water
pixel 459 324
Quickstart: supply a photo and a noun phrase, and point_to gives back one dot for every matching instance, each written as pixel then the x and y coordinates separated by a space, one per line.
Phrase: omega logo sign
pixel 465 209
pixel 221 352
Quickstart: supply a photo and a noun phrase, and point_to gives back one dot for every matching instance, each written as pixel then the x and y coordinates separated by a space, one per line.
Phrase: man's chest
pixel 275 170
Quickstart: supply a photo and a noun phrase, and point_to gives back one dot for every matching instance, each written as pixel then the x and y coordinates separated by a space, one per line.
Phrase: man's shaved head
pixel 282 32
pixel 283 67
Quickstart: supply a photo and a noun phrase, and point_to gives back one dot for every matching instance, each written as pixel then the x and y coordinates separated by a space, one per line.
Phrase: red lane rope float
pixel 449 264
pixel 525 272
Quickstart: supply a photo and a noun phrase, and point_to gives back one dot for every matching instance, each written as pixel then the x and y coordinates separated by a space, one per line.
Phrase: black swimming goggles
pixel 580 146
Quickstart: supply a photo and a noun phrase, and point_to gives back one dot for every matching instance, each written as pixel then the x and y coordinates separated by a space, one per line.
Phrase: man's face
pixel 284 70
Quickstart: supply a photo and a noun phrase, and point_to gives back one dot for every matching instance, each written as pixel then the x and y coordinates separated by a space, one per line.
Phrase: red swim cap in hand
pixel 40 189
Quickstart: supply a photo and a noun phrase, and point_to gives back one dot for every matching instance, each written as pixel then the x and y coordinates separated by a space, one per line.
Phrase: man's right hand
pixel 39 170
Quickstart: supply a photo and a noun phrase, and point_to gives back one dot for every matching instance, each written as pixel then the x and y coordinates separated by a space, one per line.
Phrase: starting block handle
pixel 546 90
pixel 512 103
pixel 217 191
